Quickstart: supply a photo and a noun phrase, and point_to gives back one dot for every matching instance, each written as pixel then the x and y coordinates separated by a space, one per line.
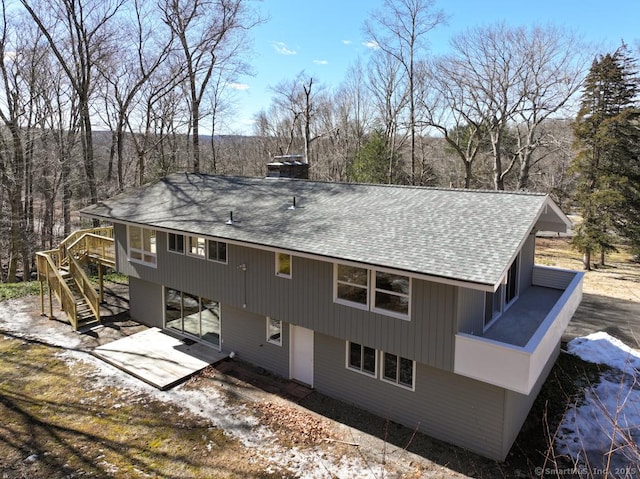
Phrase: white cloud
pixel 283 49
pixel 321 62
pixel 346 42
pixel 239 86
pixel 371 44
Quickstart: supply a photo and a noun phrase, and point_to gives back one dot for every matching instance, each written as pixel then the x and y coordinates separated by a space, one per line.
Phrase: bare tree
pixel 400 29
pixel 390 97
pixel 78 35
pixel 505 82
pixel 555 64
pixel 209 33
pixel 144 50
pixel 444 106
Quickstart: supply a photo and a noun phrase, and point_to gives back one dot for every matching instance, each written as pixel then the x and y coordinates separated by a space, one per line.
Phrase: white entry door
pixel 301 352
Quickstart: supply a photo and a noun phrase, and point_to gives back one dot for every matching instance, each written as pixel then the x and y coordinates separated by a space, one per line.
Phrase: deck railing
pixel 48 271
pixel 518 367
pixel 88 291
pixel 97 247
pixel 95 244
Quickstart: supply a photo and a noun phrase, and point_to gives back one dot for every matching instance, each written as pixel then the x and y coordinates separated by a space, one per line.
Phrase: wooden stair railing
pixel 49 272
pixel 60 269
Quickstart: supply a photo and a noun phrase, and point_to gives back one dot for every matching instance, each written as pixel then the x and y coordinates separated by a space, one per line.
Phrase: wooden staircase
pixel 61 271
pixel 85 317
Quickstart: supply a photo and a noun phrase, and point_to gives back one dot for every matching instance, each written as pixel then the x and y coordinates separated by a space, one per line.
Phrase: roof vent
pixel 230 220
pixel 288 166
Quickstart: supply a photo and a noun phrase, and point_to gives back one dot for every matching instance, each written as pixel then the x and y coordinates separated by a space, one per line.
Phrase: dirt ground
pixel 611 293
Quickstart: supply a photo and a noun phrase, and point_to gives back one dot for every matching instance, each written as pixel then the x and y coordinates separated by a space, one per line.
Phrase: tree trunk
pixel 467 174
pixel 586 259
pixel 87 146
pixel 66 196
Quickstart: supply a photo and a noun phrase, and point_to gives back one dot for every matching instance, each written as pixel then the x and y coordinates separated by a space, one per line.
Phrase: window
pixel 398 370
pixel 361 358
pixel 511 288
pixel 274 331
pixel 176 243
pixel 283 265
pixel 192 315
pixel 352 285
pixel 507 292
pixel 142 245
pixel 392 293
pixel 380 291
pixel 196 246
pixel 217 251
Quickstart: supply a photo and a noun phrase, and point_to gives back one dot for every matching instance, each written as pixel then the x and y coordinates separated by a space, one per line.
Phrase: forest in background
pixel 496 112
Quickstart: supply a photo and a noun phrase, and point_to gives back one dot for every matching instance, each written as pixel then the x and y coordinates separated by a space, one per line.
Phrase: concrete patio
pixel 158 358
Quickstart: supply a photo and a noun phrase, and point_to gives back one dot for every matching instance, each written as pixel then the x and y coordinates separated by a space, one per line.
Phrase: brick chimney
pixel 288 166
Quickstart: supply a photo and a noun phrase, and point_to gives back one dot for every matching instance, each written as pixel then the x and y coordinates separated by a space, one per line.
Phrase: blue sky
pixel 323 38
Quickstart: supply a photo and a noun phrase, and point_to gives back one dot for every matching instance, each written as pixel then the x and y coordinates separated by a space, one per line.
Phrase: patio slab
pixel 158 358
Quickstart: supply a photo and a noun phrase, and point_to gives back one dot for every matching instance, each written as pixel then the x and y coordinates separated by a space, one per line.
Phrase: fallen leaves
pixel 296 425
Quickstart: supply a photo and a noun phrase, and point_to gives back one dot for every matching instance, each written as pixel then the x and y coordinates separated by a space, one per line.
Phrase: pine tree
pixel 607 135
pixel 374 162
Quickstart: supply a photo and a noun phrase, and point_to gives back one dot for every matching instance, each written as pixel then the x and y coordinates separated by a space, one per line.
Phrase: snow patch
pixel 606 422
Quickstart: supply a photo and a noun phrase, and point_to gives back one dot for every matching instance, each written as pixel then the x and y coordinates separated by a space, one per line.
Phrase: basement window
pixel 274 331
pixel 398 370
pixel 142 245
pixel 362 359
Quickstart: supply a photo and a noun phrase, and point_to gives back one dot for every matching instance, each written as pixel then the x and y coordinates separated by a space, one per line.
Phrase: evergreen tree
pixel 607 135
pixel 374 162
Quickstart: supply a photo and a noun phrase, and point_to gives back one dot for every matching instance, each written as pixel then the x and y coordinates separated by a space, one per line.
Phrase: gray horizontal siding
pixel 245 334
pixel 446 406
pixel 307 299
pixel 552 278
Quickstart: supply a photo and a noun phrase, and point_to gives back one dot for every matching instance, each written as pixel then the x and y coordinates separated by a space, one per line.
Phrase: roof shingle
pixel 466 235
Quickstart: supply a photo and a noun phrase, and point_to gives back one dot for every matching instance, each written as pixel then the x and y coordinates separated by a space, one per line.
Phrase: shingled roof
pixel 464 235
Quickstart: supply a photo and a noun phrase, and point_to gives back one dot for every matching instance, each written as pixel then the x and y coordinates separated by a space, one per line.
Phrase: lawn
pixel 58 423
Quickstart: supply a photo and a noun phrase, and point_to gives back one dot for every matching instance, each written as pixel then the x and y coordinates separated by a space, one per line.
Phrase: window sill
pixel 143 263
pixel 363 373
pixel 402 386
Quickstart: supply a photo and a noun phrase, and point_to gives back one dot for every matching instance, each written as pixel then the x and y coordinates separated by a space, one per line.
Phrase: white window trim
pixel 269 340
pixel 188 247
pixel 345 302
pixel 397 383
pixel 206 253
pixel 371 292
pixel 360 371
pixel 142 251
pixel 184 249
pixel 386 312
pixel 503 295
pixel 278 273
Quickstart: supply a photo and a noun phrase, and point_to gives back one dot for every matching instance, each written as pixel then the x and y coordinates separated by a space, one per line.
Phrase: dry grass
pixel 619 278
pixel 57 425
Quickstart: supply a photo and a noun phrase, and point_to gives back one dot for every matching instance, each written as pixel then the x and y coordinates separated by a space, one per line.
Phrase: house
pixel 421 305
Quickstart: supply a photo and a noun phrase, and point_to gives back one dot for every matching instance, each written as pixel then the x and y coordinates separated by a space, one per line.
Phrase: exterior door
pixel 301 354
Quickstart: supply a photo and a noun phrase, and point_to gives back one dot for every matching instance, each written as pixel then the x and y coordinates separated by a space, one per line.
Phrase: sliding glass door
pixel 193 316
